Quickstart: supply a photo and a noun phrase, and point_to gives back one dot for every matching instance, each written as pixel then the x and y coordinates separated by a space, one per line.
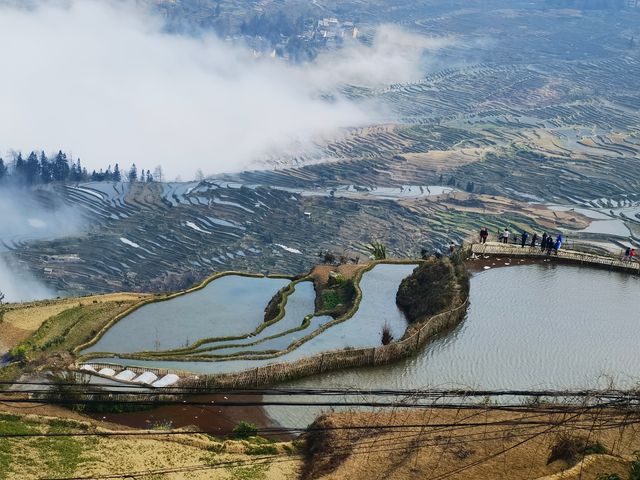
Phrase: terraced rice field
pixel 525 105
pixel 364 329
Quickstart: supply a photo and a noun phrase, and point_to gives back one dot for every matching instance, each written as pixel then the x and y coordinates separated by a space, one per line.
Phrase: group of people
pixel 547 242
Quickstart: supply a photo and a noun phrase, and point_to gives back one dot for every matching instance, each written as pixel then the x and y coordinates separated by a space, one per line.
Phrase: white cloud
pixel 104 81
pixel 394 56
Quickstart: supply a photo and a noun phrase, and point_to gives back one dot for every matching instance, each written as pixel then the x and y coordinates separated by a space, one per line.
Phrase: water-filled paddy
pixel 608 227
pixel 532 326
pixel 229 306
pixel 528 327
pixel 535 326
pixel 364 329
pixel 299 304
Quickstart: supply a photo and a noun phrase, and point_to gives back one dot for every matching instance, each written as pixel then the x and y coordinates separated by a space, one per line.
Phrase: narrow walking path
pixel 573 256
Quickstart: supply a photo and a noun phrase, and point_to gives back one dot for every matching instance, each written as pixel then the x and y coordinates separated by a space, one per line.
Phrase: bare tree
pixel 158 176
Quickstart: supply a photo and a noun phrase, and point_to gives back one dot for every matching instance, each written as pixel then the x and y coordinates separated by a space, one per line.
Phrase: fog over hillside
pixel 26 217
pixel 110 85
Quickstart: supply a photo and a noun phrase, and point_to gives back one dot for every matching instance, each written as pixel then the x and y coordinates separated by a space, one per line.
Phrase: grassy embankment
pixel 45 333
pixel 52 332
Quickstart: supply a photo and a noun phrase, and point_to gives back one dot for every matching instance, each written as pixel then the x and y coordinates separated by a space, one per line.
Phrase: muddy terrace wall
pixel 348 358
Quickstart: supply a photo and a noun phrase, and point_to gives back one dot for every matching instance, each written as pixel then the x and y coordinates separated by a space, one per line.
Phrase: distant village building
pixel 330 29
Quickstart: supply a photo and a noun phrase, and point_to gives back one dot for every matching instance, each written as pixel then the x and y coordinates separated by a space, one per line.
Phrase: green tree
pixel 245 430
pixel 20 168
pixel 61 167
pixel 377 249
pixel 3 169
pixel 117 176
pixel 32 169
pixel 46 169
pixel 133 173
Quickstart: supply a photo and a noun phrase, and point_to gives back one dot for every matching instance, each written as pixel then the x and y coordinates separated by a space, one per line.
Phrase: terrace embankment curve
pixel 415 336
pixel 165 298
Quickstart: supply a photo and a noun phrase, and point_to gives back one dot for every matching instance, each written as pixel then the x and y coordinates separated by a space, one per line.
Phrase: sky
pixel 102 80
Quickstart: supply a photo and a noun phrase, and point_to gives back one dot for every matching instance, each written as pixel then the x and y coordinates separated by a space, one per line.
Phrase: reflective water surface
pixel 229 306
pixel 527 327
pixel 364 329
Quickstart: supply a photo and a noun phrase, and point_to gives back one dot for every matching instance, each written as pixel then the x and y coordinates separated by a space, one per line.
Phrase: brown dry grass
pixel 496 205
pixel 22 319
pixel 94 456
pixel 145 194
pixel 320 273
pixel 146 454
pixel 442 160
pixel 464 453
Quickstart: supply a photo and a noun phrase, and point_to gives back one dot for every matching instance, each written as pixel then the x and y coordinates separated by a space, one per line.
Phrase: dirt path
pixel 217 420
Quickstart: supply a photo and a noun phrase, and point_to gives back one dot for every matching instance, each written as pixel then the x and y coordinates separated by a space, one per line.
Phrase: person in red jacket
pixel 484 233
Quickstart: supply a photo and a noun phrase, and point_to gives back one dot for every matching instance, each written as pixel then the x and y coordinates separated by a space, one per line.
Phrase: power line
pixel 387 447
pixel 335 404
pixel 336 391
pixel 400 443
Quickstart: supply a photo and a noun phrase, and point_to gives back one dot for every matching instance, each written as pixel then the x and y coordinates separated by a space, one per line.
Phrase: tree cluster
pixel 432 287
pixel 40 169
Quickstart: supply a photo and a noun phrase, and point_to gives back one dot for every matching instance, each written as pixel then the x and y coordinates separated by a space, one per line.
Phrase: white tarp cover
pixel 167 380
pixel 146 377
pixel 87 368
pixel 109 372
pixel 126 375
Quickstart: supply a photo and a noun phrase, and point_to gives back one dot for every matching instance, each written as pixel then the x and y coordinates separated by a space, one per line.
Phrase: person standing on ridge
pixel 505 235
pixel 525 236
pixel 543 243
pixel 484 233
pixel 549 245
pixel 557 245
pixel 534 239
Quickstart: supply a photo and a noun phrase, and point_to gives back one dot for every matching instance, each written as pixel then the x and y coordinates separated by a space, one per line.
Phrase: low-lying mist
pixel 34 215
pixel 26 215
pixel 105 81
pixel 20 285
